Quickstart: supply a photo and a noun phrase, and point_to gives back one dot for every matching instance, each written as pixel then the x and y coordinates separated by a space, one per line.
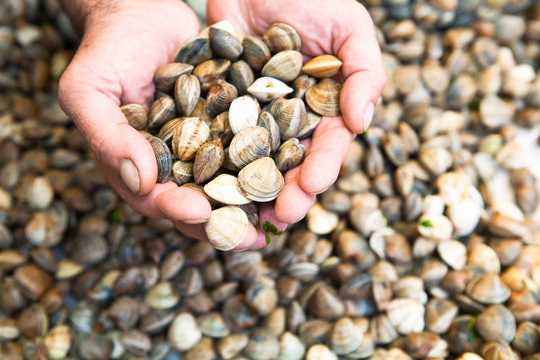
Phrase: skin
pixel 122 47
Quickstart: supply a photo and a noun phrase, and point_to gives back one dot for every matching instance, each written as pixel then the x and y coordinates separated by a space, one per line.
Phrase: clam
pixel 285 65
pixel 224 188
pixel 184 332
pixel 224 43
pixel 500 315
pixel 291 347
pixel 210 71
pixel 320 352
pixel 243 113
pixel 213 325
pixel 166 75
pixel 323 66
pixel 406 315
pixel 220 129
pixel 314 331
pixel 320 220
pixel 241 76
pixel 498 350
pixel 135 115
pixel 526 339
pixel 453 253
pixel 256 52
pixel 381 330
pixel 161 111
pixel 280 37
pixel 439 315
pixel 194 51
pixel 301 84
pixel 188 138
pixel 312 121
pixel 488 289
pixel 58 342
pixel 32 281
pixel 323 98
pixel 161 296
pixel 260 180
pixel 249 145
pixel 266 88
pixel 187 91
pixel 231 345
pixel 345 336
pixel 227 227
pixel 167 131
pixel 290 115
pixel 289 155
pixel 266 120
pixel 34 321
pixel 437 159
pixel 200 112
pixel 182 172
pixel 262 345
pixel 220 96
pixel 208 160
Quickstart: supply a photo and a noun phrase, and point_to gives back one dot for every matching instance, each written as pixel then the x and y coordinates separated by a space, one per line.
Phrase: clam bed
pixel 426 247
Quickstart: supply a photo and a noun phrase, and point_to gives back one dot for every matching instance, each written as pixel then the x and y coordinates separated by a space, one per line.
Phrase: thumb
pixel 114 142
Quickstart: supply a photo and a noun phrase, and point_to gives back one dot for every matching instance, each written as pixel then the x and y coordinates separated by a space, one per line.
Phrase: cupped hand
pixel 343 28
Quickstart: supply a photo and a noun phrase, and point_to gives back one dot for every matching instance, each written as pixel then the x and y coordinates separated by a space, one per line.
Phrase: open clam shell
pixel 220 96
pixel 194 51
pixel 224 43
pixel 208 160
pixel 243 113
pixel 260 180
pixel 282 37
pixel 323 98
pixel 187 92
pixel 227 227
pixel 188 137
pixel 266 120
pixel 249 145
pixel 285 65
pixel 163 156
pixel 166 75
pixel 267 88
pixel 224 188
pixel 290 115
pixel 289 155
pixel 256 52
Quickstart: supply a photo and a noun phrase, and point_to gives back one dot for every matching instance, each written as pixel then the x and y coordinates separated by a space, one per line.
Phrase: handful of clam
pixel 229 115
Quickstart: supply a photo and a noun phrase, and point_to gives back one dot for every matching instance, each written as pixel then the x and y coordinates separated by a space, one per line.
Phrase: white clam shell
pixel 266 89
pixel 243 113
pixel 261 180
pixel 224 189
pixel 227 227
pixel 407 315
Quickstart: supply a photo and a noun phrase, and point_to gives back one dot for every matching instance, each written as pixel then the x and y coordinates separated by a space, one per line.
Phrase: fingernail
pixel 195 221
pixel 368 115
pixel 130 175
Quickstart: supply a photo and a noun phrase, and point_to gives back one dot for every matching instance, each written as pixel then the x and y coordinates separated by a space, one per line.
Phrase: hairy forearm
pixel 81 11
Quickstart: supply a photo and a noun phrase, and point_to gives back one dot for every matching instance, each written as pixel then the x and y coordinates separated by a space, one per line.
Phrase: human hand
pixel 343 28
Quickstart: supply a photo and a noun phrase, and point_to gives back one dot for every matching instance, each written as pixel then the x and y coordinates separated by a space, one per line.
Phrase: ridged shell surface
pixel 260 180
pixel 227 227
pixel 290 115
pixel 285 65
pixel 224 188
pixel 187 92
pixel 249 145
pixel 256 52
pixel 188 137
pixel 323 98
pixel 194 51
pixel 219 98
pixel 289 155
pixel 266 120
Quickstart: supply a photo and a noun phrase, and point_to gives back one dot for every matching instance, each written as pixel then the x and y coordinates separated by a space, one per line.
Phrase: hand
pixel 343 28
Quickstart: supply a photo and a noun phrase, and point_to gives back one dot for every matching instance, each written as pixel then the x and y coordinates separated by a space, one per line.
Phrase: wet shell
pixel 243 113
pixel 161 111
pixel 311 123
pixel 266 88
pixel 210 71
pixel 266 120
pixel 208 160
pixel 323 66
pixel 301 84
pixel 224 43
pixel 285 65
pixel 135 115
pixel 167 131
pixel 323 98
pixel 227 227
pixel 488 289
pixel 224 188
pixel 261 180
pixel 289 155
pixel 182 172
pixel 188 138
pixel 249 145
pixel 256 52
pixel 282 37
pixel 163 157
pixel 219 98
pixel 345 336
pixel 187 92
pixel 194 51
pixel 290 115
pixel 241 76
pixel 166 75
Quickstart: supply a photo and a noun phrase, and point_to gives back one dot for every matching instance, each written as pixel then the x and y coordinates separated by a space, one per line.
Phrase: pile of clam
pixel 209 132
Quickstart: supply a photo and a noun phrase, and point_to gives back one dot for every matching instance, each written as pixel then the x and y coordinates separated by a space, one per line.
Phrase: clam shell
pixel 406 315
pixel 249 145
pixel 163 157
pixel 323 66
pixel 219 98
pixel 290 115
pixel 224 44
pixel 285 65
pixel 301 84
pixel 256 52
pixel 323 98
pixel 289 155
pixel 200 111
pixel 227 163
pixel 260 180
pixel 194 51
pixel 243 113
pixel 345 336
pixel 220 129
pixel 166 75
pixel 188 137
pixel 210 71
pixel 213 325
pixel 227 227
pixel 161 111
pixel 135 115
pixel 267 88
pixel 311 123
pixel 182 172
pixel 282 37
pixel 208 160
pixel 241 76
pixel 500 315
pixel 488 289
pixel 167 131
pixel 266 120
pixel 187 92
pixel 224 188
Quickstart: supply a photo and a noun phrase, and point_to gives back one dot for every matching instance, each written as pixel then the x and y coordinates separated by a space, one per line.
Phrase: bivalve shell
pixel 58 342
pixel 266 88
pixel 323 66
pixel 323 98
pixel 289 155
pixel 266 120
pixel 224 43
pixel 166 75
pixel 184 332
pixel 210 71
pixel 290 115
pixel 161 111
pixel 187 92
pixel 220 129
pixel 208 160
pixel 135 115
pixel 488 289
pixel 261 180
pixel 241 76
pixel 220 96
pixel 188 138
pixel 194 51
pixel 249 145
pixel 243 113
pixel 256 52
pixel 406 315
pixel 224 188
pixel 345 336
pixel 285 65
pixel 281 37
pixel 182 172
pixel 227 227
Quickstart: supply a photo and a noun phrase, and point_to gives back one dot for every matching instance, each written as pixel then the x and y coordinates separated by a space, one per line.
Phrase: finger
pixel 293 203
pixel 329 146
pixel 184 204
pixel 266 213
